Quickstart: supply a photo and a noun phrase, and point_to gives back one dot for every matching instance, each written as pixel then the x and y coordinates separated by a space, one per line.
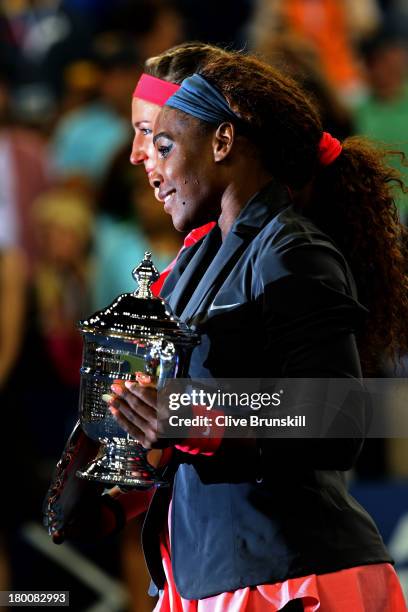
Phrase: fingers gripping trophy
pixel 136 333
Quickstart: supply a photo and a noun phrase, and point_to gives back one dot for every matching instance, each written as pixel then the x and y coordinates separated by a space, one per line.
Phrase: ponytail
pixel 353 202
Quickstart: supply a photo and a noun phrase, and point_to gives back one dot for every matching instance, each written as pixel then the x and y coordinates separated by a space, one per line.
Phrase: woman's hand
pixel 135 407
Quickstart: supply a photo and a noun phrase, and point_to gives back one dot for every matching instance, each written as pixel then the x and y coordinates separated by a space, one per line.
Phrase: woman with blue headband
pixel 303 277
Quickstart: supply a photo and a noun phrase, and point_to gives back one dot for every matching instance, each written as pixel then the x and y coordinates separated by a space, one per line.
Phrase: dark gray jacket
pixel 290 310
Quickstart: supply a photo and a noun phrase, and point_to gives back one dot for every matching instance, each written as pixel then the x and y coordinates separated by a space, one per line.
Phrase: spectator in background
pixel 12 311
pixel 383 115
pixel 12 260
pixel 325 23
pixel 57 297
pixel 51 347
pixel 63 227
pixel 218 23
pixel 23 171
pixel 39 38
pixel 395 15
pixel 94 11
pixel 152 25
pixel 12 308
pixel 24 174
pixel 47 359
pixel 81 85
pixel 130 222
pixel 86 139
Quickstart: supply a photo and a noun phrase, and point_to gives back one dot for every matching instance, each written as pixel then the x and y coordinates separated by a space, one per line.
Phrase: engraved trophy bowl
pixel 136 333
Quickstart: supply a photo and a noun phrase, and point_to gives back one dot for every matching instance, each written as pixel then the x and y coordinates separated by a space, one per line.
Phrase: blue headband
pixel 198 98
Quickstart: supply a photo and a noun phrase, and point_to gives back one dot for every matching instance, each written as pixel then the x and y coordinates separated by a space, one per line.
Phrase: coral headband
pixel 329 149
pixel 154 90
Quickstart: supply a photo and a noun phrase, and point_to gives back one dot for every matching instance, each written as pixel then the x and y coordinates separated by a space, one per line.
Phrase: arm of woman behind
pixel 76 509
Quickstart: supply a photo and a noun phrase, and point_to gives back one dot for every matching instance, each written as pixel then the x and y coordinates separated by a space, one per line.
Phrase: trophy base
pixel 123 463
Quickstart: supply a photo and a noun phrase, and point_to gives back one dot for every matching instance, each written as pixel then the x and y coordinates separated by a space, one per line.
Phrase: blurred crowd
pixel 76 217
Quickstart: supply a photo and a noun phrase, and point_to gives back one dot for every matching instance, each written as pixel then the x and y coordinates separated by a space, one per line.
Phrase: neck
pixel 238 192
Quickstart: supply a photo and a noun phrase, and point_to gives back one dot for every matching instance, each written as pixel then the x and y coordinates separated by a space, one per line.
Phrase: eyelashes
pixel 164 150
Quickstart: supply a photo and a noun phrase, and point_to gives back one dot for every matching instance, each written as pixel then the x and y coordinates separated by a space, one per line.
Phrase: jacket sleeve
pixel 310 316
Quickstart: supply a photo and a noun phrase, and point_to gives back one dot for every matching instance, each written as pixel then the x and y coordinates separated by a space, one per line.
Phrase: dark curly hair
pixel 354 204
pixel 352 199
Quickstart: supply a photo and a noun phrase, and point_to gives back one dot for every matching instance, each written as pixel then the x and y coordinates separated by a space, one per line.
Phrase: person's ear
pixel 223 141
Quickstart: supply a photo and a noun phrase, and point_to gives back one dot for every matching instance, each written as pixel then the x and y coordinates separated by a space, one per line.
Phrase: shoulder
pixel 292 246
pixel 300 275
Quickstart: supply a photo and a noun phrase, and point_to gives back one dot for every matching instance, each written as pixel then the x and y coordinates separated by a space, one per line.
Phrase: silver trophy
pixel 136 333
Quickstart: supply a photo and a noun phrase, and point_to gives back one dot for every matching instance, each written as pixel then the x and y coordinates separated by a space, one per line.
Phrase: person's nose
pixel 138 155
pixel 155 178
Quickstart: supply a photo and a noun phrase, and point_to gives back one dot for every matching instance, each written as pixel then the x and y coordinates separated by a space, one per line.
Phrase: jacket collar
pixel 259 210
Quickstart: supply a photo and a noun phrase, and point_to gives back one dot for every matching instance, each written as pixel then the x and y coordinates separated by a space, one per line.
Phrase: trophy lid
pixel 139 315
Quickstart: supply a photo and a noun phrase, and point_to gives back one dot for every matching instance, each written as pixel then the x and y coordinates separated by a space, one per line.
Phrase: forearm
pixel 100 516
pixel 131 504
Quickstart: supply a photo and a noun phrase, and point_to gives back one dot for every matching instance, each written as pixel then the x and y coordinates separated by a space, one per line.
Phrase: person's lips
pixel 156 194
pixel 166 197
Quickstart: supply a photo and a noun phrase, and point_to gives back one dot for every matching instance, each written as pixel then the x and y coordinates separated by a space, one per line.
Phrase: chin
pixel 181 224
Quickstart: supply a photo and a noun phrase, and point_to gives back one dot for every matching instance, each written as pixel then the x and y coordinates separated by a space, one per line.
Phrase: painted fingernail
pixel 107 397
pixel 116 389
pixel 143 378
pixel 129 384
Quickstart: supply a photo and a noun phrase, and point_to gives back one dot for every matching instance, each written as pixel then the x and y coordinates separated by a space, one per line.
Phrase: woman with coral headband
pixel 162 77
pixel 302 278
pixel 70 508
